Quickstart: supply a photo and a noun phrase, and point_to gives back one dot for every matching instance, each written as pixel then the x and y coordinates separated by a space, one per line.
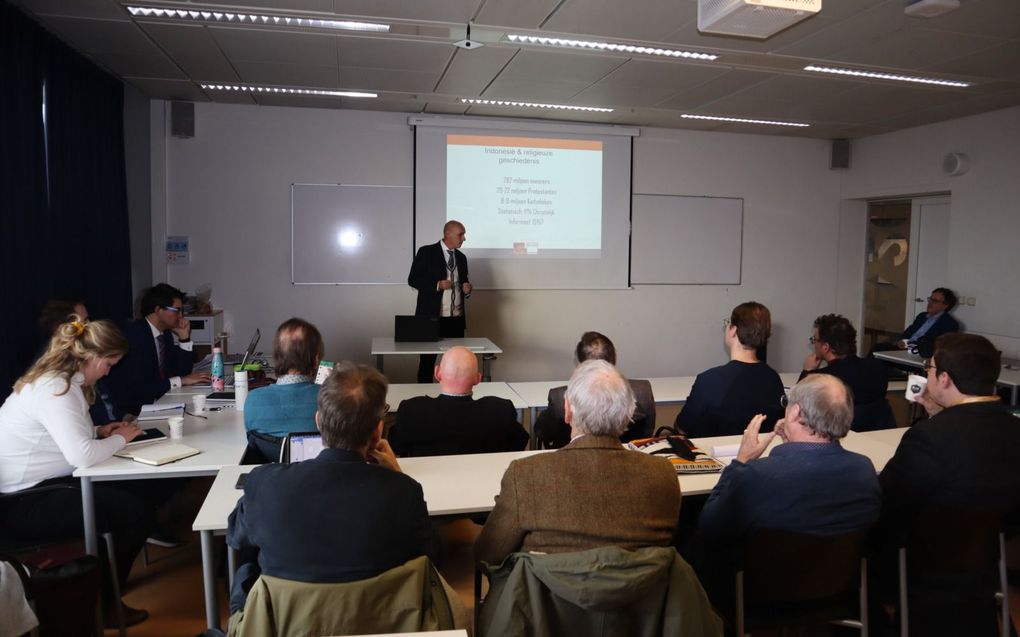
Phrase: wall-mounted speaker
pixel 955 164
pixel 182 119
pixel 839 156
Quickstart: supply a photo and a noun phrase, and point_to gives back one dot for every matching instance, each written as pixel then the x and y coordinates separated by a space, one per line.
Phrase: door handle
pixel 920 300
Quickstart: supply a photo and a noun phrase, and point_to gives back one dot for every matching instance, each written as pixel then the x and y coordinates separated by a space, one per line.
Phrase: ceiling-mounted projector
pixel 753 18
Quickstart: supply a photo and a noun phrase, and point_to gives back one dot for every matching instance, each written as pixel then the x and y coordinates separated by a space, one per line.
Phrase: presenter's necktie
pixel 451 265
pixel 161 354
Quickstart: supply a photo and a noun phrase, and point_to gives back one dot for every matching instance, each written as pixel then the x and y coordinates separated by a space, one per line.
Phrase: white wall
pixel 229 187
pixel 984 231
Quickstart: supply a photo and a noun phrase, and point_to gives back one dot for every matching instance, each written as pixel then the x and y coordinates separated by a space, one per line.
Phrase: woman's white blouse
pixel 45 435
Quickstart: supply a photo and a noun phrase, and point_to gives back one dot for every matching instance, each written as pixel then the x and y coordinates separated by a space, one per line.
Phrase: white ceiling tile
pixel 995 18
pixel 407 55
pixel 471 71
pixel 193 49
pixel 522 14
pixel 295 75
pixel 78 8
pixel 387 80
pixel 715 89
pixel 1000 61
pixel 650 20
pixel 169 89
pixel 287 47
pixel 531 91
pixel 558 66
pixel 446 108
pixel 647 83
pixel 912 49
pixel 280 5
pixel 431 10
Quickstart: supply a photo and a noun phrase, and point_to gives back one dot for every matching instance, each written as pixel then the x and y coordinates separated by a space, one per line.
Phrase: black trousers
pixel 449 327
pixel 126 508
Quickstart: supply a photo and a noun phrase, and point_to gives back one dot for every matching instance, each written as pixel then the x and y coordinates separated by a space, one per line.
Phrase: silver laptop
pixel 249 354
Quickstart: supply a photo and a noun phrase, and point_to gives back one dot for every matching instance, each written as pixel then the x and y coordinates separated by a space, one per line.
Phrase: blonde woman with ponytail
pixel 47 434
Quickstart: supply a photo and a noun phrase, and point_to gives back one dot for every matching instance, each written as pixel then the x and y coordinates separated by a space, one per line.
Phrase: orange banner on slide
pixel 522 142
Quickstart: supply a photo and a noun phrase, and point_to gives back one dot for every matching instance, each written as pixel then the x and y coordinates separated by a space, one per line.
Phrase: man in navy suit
pixel 440 274
pixel 934 322
pixel 154 362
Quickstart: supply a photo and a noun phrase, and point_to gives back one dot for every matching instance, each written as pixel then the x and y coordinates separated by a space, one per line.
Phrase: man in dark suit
pixel 154 362
pixel 935 321
pixel 966 455
pixel 454 422
pixel 591 493
pixel 834 344
pixel 348 514
pixel 550 427
pixel 440 274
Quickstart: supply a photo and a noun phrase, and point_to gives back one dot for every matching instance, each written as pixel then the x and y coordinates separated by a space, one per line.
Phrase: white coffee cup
pixel 915 387
pixel 176 427
pixel 198 400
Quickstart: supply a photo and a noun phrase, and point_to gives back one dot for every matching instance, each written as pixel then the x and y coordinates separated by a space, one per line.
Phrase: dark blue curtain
pixel 63 202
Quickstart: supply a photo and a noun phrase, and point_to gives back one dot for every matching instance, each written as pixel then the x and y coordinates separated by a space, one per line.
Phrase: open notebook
pixel 158 453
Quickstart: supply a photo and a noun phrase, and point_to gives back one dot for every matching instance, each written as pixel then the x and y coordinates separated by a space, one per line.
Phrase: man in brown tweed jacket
pixel 590 493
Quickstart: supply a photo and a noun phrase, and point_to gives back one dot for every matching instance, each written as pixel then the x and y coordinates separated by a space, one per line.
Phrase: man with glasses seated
pixel 933 322
pixel 834 345
pixel 347 515
pixel 156 361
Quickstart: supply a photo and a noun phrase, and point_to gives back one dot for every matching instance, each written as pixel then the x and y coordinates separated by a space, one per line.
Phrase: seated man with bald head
pixel 455 422
pixel 591 493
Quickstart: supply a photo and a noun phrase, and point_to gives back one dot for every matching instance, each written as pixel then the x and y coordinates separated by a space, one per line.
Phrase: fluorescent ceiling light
pixel 609 46
pixel 743 120
pixel 562 107
pixel 886 76
pixel 254 88
pixel 230 17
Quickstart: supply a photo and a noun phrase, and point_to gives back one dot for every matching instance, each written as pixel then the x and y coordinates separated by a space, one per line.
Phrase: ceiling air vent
pixel 753 18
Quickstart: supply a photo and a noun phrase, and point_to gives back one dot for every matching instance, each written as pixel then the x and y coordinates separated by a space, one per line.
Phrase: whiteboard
pixel 686 240
pixel 350 233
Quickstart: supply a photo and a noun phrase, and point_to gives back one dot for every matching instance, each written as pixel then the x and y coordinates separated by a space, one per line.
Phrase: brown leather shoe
pixel 132 616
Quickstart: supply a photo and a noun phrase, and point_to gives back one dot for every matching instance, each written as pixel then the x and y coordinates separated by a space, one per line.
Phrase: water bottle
pixel 218 381
pixel 240 387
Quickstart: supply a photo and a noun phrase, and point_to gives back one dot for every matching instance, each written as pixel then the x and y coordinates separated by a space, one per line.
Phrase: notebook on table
pixel 681 453
pixel 158 453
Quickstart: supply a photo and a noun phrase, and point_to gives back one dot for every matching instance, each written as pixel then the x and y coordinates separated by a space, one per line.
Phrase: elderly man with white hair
pixel 591 493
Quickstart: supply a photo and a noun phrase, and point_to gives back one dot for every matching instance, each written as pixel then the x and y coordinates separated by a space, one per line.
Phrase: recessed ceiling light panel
pixel 229 17
pixel 878 75
pixel 286 90
pixel 511 103
pixel 745 120
pixel 608 46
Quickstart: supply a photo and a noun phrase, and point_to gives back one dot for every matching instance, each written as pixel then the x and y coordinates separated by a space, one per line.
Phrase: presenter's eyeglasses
pixel 175 310
pixel 927 364
pixel 812 340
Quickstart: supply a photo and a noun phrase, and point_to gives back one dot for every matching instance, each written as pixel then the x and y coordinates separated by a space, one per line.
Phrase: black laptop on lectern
pixel 415 328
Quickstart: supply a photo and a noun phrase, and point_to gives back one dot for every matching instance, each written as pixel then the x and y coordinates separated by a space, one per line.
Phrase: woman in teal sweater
pixel 271 412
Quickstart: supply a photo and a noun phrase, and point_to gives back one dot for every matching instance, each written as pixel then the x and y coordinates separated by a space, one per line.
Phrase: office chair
pixel 801 579
pixel 953 556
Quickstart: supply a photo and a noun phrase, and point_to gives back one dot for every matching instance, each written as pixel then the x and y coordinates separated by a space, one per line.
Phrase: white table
pixel 888 436
pixel 1009 375
pixel 221 438
pixel 462 485
pixel 384 345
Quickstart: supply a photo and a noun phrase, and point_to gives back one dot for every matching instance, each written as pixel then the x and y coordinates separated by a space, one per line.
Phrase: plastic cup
pixel 915 387
pixel 176 427
pixel 198 401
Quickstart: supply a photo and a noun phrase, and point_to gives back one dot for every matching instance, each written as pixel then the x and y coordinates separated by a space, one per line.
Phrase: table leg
pixel 379 363
pixel 88 514
pixel 231 567
pixel 212 606
pixel 531 427
pixel 1013 395
pixel 487 367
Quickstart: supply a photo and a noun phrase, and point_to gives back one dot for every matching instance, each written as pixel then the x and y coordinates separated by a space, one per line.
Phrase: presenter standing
pixel 440 274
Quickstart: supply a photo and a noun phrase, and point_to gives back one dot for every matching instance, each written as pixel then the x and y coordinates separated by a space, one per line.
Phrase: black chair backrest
pixel 946 540
pixel 784 566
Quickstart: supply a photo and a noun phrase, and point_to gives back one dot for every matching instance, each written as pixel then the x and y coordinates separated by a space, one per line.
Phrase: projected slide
pixel 526 195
